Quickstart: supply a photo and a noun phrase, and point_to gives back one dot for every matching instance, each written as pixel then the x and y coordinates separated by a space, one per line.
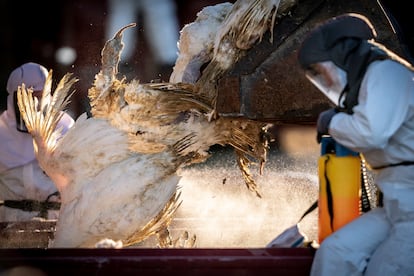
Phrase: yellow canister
pixel 339 187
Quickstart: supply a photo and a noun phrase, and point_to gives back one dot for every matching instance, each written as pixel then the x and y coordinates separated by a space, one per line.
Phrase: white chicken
pixel 117 171
pixel 220 36
pixel 106 190
pixel 160 114
pixel 196 43
pixel 112 185
pixel 157 115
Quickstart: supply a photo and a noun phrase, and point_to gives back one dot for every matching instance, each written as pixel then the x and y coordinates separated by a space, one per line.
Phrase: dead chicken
pixel 117 171
pixel 107 190
pixel 157 115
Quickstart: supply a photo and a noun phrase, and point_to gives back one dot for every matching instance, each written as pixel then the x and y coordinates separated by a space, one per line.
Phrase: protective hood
pixel 347 41
pixel 318 44
pixel 17 147
pixel 33 75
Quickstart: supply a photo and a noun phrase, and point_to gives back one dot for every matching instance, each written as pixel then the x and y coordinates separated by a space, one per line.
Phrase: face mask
pixel 329 79
pixel 20 125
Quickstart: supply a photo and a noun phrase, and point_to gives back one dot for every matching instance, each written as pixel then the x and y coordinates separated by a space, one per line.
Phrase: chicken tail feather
pixel 42 123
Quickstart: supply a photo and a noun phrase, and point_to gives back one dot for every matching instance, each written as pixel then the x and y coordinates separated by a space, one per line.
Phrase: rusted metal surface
pixel 268 85
pixel 26 234
pixel 255 261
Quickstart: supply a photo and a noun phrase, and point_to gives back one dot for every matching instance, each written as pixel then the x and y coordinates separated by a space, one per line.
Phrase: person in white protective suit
pixel 21 178
pixel 161 27
pixel 373 90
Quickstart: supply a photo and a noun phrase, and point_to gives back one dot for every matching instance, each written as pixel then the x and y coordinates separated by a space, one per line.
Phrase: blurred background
pixel 68 35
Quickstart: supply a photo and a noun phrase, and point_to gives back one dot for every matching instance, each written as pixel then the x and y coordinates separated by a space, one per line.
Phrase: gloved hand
pixel 323 122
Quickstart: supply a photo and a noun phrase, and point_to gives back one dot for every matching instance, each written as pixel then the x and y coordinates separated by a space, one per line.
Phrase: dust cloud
pixel 218 208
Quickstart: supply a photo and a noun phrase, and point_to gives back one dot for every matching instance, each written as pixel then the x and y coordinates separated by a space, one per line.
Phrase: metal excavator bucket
pixel 267 84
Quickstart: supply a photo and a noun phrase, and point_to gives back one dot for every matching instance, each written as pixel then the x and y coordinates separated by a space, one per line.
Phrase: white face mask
pixel 329 79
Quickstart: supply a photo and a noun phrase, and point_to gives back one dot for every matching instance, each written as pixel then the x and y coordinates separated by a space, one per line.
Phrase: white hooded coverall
pixel 380 242
pixel 20 174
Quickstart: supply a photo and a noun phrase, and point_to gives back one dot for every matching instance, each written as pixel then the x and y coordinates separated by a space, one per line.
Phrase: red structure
pixel 255 261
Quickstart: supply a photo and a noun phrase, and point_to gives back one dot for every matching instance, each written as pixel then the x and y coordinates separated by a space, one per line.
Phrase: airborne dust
pixel 218 208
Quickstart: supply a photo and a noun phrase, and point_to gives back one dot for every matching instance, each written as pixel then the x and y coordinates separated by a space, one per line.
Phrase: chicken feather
pixel 196 44
pixel 118 171
pixel 227 33
pixel 157 115
pixel 109 192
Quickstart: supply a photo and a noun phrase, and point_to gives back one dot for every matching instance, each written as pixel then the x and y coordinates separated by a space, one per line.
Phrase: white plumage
pixel 243 26
pixel 158 115
pixel 117 172
pixel 106 190
pixel 196 43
